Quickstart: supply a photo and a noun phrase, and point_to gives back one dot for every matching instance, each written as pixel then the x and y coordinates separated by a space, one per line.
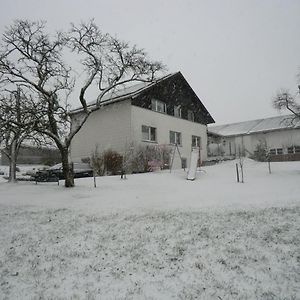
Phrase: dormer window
pixel 158 106
pixel 177 111
pixel 190 115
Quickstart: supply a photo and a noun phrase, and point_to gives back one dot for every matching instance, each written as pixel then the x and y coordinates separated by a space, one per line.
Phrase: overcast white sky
pixel 235 54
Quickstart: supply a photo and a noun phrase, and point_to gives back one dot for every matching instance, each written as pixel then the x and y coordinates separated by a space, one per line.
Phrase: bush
pixel 113 162
pixel 260 152
pixel 145 158
pixel 109 162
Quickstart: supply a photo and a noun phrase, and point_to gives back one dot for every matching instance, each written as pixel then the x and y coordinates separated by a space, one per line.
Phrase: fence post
pixel 237 173
pixel 242 173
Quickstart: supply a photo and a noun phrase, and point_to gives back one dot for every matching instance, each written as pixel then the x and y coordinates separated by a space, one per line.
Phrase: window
pixel 196 141
pixel 190 115
pixel 175 137
pixel 297 149
pixel 177 111
pixel 279 151
pixel 272 151
pixel 290 150
pixel 158 106
pixel 148 133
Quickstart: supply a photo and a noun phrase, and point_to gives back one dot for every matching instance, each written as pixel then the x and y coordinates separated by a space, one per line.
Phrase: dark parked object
pixel 80 170
pixel 45 176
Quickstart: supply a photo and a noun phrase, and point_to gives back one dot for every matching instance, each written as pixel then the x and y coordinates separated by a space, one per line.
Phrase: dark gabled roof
pixel 255 126
pixel 122 93
pixel 132 91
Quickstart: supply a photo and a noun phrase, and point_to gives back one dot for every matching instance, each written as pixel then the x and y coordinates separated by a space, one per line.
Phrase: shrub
pixel 144 158
pixel 113 162
pixel 97 163
pixel 108 162
pixel 260 152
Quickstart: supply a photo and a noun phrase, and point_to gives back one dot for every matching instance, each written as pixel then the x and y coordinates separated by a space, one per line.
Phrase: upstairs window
pixel 175 138
pixel 190 115
pixel 177 111
pixel 196 141
pixel 148 133
pixel 158 106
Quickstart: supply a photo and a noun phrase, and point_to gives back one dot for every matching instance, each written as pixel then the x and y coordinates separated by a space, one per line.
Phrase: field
pixel 154 236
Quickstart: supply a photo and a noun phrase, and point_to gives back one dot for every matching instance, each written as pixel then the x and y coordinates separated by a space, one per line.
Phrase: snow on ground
pixel 154 236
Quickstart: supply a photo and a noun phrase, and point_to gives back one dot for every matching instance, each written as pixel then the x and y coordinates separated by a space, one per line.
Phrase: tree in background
pixel 284 100
pixel 35 60
pixel 13 128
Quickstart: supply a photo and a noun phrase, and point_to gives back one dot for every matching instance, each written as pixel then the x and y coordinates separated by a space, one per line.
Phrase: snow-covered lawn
pixel 154 236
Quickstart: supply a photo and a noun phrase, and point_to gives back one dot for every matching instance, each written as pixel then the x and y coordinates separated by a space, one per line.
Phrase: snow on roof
pixel 123 92
pixel 260 125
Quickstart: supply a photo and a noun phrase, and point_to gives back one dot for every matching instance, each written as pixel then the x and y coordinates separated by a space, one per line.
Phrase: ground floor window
pixel 293 149
pixel 277 151
pixel 290 150
pixel 196 141
pixel 175 138
pixel 148 133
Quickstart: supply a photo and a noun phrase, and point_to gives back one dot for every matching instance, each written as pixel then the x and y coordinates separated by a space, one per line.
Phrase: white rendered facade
pixel 119 126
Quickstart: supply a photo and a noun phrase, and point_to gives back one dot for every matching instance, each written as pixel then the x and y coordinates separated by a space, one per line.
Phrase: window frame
pixel 190 115
pixel 196 137
pixel 178 109
pixel 291 150
pixel 176 135
pixel 149 131
pixel 272 151
pixel 156 103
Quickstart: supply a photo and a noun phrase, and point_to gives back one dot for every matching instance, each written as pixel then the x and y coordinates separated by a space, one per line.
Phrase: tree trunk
pixel 13 162
pixel 67 169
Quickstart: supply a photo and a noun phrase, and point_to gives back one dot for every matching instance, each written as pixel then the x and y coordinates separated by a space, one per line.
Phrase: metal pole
pixel 237 173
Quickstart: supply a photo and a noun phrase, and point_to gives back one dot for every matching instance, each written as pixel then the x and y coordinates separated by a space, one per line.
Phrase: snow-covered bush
pixel 145 157
pixel 108 162
pixel 260 152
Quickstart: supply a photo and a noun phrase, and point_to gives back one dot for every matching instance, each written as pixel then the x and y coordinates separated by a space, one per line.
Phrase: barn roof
pixel 255 126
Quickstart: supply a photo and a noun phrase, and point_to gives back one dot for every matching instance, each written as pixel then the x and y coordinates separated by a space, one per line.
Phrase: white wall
pixel 163 124
pixel 273 139
pixel 278 139
pixel 119 127
pixel 106 128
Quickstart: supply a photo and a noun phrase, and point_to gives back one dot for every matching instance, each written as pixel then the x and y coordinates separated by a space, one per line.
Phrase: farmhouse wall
pixel 106 128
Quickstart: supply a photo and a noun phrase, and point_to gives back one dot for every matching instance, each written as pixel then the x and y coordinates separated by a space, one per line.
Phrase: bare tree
pixel 284 100
pixel 34 59
pixel 14 128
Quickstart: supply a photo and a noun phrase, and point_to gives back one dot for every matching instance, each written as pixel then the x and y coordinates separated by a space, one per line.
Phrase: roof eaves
pixel 132 95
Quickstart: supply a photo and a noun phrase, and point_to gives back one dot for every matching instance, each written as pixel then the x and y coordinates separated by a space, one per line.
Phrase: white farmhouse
pixel 279 135
pixel 163 113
